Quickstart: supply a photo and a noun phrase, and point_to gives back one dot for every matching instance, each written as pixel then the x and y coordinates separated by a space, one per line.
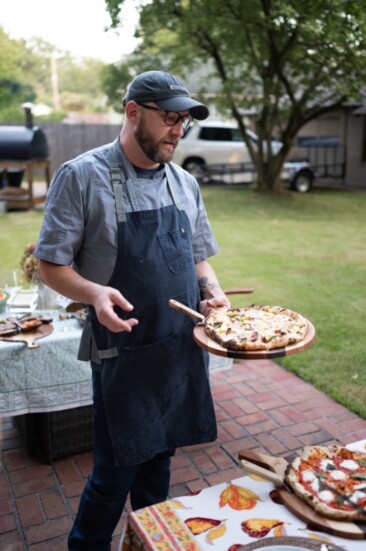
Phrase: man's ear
pixel 131 110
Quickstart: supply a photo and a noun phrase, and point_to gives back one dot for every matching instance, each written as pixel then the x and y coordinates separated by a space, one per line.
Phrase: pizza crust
pixel 320 506
pixel 256 327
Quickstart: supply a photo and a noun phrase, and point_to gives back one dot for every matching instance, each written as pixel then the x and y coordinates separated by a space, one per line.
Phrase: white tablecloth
pixel 47 378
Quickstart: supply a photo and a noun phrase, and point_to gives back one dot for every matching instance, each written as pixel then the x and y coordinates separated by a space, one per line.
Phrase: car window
pixel 216 134
pixel 236 135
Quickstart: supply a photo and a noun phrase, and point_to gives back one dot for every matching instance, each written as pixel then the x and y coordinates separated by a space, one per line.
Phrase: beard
pixel 154 150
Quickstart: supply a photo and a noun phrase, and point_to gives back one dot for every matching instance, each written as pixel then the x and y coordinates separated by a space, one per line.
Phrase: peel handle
pixel 188 311
pixel 264 473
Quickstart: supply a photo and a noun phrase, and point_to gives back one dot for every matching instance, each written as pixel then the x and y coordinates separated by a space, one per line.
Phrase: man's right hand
pixel 104 302
pixel 65 280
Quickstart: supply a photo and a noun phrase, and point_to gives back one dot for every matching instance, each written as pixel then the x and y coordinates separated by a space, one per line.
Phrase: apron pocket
pixel 177 250
pixel 151 370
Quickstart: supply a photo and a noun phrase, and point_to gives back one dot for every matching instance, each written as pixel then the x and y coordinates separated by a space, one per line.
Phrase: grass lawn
pixel 304 252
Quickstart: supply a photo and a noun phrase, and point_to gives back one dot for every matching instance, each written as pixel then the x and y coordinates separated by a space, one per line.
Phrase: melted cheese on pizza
pixel 257 327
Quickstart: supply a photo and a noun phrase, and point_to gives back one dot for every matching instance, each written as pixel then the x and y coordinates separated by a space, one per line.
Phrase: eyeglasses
pixel 171 118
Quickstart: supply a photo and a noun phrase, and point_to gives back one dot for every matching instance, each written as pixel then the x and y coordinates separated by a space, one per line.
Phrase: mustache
pixel 173 141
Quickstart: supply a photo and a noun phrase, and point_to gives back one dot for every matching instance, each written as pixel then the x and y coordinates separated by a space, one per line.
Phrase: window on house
pixel 318 141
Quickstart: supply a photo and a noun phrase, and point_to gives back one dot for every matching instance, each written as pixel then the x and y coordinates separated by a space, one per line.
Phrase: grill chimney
pixel 28 114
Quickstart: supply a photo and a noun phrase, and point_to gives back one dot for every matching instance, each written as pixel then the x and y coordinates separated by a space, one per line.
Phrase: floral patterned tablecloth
pixel 223 518
pixel 47 378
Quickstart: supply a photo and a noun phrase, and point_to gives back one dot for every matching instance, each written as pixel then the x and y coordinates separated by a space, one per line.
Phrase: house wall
pixel 349 128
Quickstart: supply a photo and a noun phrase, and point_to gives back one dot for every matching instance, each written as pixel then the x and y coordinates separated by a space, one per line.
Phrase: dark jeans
pixel 105 493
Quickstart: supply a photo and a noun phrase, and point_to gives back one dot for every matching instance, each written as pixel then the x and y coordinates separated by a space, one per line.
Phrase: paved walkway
pixel 259 406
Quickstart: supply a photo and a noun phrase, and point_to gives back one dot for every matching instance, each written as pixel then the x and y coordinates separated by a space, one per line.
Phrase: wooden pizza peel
pixel 295 504
pixel 30 337
pixel 204 341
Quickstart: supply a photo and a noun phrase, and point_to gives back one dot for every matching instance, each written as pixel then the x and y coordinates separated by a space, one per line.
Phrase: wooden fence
pixel 66 141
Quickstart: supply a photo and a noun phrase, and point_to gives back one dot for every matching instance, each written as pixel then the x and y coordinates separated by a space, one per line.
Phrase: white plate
pixel 278 546
pixel 285 548
pixel 293 544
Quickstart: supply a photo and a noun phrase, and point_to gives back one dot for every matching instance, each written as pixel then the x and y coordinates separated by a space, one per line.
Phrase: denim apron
pixel 155 382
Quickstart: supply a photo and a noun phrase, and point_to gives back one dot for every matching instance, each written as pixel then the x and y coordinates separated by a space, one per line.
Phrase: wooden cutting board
pixel 298 507
pixel 205 342
pixel 30 337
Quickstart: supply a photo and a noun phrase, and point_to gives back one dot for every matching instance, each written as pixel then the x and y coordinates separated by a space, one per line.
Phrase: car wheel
pixel 303 181
pixel 196 167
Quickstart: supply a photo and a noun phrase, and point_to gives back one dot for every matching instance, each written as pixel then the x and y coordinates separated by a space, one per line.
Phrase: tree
pixel 114 80
pixel 36 71
pixel 14 89
pixel 290 61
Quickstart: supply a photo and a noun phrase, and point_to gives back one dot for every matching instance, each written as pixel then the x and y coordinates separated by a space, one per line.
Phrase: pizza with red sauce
pixel 332 480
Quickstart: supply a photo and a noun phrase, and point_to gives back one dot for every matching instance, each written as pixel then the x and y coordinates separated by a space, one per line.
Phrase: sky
pixel 73 25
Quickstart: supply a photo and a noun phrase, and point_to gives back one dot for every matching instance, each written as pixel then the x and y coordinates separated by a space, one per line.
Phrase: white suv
pixel 210 143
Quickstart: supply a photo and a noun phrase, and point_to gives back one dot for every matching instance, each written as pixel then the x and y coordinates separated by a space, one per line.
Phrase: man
pixel 124 231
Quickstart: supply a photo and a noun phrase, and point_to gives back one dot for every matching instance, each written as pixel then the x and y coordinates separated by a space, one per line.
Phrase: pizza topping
pixel 357 496
pixel 338 475
pixel 326 495
pixel 349 464
pixel 359 476
pixel 308 476
pixel 327 465
pixel 256 327
pixel 315 486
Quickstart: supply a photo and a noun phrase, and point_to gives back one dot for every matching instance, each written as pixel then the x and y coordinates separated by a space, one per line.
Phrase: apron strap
pixel 172 187
pixel 117 185
pixel 108 353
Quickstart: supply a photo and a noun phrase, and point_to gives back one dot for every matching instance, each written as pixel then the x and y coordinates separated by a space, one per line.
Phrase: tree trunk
pixel 269 177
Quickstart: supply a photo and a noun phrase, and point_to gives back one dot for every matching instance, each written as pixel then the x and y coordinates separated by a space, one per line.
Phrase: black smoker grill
pixel 20 143
pixel 22 150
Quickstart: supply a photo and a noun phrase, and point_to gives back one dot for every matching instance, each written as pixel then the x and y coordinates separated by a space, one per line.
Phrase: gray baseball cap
pixel 166 91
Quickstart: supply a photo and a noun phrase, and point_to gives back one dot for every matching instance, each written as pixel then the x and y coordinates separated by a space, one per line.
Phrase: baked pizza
pixel 332 480
pixel 256 327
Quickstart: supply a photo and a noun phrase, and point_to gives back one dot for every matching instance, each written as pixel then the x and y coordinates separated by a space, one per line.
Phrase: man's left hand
pixel 206 306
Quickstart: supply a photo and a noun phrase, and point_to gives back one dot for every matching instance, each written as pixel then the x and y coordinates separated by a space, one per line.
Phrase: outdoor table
pixel 48 391
pixel 221 517
pixel 47 378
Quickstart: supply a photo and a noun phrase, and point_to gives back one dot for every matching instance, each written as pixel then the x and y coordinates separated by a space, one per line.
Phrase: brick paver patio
pixel 259 406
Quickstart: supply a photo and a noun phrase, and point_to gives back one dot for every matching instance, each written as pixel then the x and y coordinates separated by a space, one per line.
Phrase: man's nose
pixel 178 129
